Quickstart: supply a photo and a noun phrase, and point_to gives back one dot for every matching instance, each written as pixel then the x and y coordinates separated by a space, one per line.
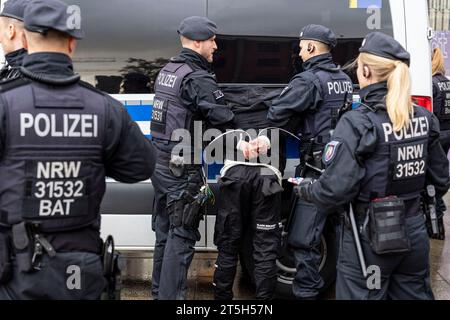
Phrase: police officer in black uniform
pixel 11 23
pixel 309 107
pixel 60 138
pixel 441 108
pixel 186 94
pixel 381 157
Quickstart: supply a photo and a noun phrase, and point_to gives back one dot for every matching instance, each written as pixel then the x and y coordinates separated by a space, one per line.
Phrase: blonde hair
pixel 438 64
pixel 398 100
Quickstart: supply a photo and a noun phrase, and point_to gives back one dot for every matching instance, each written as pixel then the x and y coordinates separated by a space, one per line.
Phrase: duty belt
pixel 164 158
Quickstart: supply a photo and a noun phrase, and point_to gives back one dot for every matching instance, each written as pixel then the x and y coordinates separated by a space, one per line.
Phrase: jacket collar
pixel 15 58
pixel 193 58
pixel 49 67
pixel 324 60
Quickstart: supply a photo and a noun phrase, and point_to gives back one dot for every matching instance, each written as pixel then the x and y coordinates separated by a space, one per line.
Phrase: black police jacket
pixel 250 104
pixel 128 157
pixel 13 63
pixel 202 99
pixel 201 94
pixel 294 109
pixel 355 142
pixel 56 130
pixel 441 100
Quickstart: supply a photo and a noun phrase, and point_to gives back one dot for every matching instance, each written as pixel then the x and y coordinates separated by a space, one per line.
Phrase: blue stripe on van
pixel 292 148
pixel 214 171
pixel 140 113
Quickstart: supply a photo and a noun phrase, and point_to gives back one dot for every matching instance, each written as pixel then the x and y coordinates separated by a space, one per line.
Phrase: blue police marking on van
pixel 141 112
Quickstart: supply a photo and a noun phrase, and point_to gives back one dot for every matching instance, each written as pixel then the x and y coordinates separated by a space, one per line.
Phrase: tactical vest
pixel 399 163
pixel 334 87
pixel 442 101
pixel 52 168
pixel 169 113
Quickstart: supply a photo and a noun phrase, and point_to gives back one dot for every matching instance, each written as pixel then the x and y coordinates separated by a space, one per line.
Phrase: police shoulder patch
pixel 330 151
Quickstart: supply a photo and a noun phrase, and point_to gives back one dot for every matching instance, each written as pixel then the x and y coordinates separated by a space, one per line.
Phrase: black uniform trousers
pixel 308 231
pixel 174 246
pixel 307 282
pixel 251 202
pixel 404 276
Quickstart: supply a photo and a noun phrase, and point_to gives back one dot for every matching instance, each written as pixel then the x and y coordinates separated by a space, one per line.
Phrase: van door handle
pixel 430 33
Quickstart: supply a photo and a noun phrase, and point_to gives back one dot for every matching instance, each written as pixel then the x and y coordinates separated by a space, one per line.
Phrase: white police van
pixel 128 41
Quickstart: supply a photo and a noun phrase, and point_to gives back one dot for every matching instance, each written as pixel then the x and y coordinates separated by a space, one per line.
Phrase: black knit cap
pixel 318 33
pixel 14 9
pixel 197 28
pixel 43 15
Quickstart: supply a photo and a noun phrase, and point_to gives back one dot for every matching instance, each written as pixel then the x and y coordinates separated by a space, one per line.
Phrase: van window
pixel 128 41
pixel 258 41
pixel 439 13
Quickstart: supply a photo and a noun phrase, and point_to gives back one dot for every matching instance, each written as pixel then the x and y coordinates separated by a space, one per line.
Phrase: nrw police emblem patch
pixel 330 151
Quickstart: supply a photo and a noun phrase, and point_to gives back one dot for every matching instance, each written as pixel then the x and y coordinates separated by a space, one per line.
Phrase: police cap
pixel 197 28
pixel 14 9
pixel 318 33
pixel 382 45
pixel 43 15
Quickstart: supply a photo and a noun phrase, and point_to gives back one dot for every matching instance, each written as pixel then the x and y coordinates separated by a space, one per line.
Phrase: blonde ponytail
pixel 438 63
pixel 398 100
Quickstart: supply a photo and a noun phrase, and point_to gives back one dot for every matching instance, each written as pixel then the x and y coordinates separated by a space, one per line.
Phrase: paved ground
pixel 200 274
